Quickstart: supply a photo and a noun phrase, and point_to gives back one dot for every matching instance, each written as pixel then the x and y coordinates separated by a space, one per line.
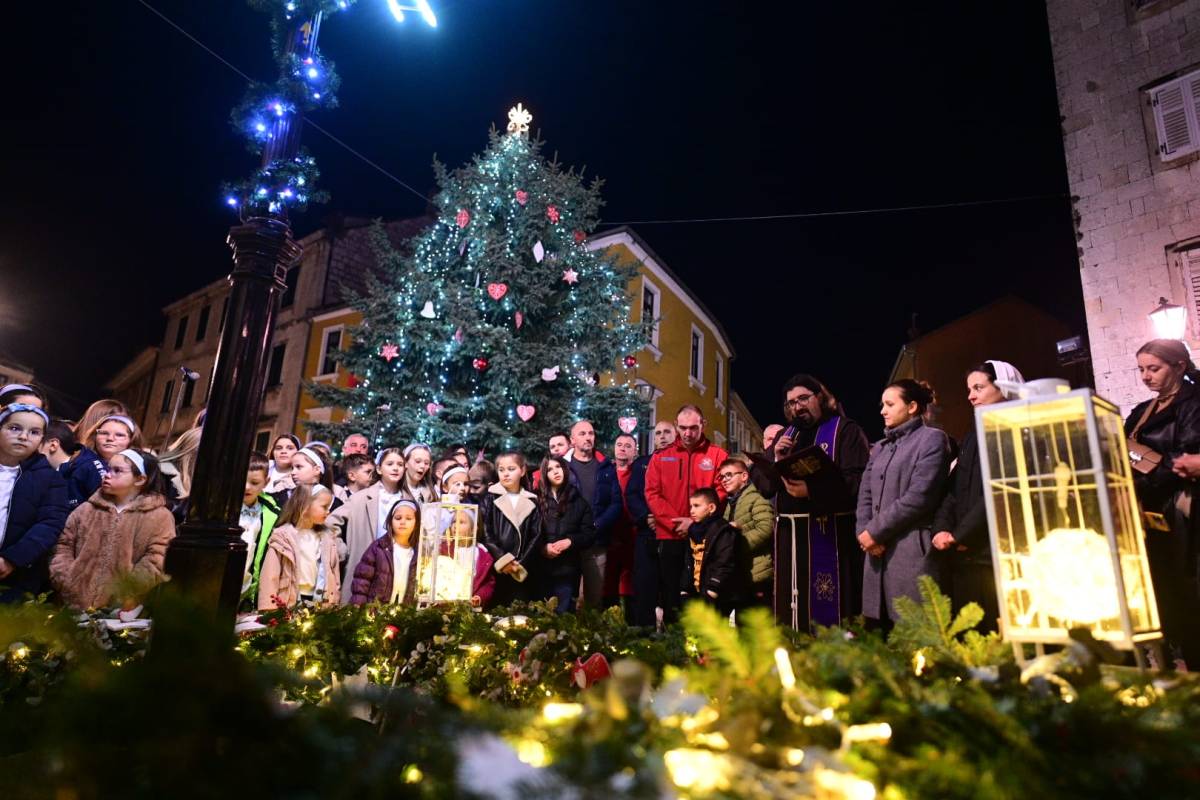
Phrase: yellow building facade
pixel 687 360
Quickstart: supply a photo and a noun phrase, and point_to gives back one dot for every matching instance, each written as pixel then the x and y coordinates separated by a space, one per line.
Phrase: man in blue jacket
pixel 597 481
pixel 36 505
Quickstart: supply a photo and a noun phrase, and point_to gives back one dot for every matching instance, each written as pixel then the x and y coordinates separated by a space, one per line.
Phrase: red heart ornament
pixel 463 218
pixel 627 424
pixel 522 196
pixel 497 290
pixel 526 412
pixel 432 409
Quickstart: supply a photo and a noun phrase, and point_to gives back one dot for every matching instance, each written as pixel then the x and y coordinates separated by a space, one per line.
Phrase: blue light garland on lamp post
pixel 207 558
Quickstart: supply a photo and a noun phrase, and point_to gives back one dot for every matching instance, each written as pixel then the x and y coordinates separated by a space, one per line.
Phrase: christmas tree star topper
pixel 518 120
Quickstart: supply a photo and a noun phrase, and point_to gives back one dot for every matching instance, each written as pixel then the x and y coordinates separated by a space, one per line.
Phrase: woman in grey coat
pixel 899 494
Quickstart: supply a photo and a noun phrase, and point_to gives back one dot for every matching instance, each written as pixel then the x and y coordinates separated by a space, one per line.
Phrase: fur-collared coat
pixel 101 544
pixel 278 578
pixel 516 531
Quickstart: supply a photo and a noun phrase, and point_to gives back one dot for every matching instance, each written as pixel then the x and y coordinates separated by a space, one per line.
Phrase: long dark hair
pixel 387 524
pixel 546 496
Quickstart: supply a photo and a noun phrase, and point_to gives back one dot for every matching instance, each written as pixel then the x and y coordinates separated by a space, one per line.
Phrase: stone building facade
pixel 1128 77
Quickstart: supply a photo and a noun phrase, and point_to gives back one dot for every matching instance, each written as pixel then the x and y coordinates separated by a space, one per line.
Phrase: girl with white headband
pixel 108 436
pixel 454 484
pixel 418 475
pixel 309 468
pixel 363 518
pixel 33 502
pixel 23 393
pixel 302 563
pixel 114 546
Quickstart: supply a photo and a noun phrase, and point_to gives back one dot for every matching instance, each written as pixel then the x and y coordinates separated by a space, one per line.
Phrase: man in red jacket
pixel 673 474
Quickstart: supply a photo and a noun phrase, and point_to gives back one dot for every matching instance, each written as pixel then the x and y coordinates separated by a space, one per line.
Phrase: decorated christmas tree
pixel 500 326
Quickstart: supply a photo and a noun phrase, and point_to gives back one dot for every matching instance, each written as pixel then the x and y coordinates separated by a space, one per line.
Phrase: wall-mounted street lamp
pixel 1170 320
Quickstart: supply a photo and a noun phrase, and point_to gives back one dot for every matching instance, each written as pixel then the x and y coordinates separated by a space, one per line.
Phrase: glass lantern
pixel 1067 542
pixel 446 553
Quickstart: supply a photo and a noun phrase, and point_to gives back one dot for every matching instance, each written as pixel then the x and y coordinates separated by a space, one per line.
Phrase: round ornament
pixel 630 361
pixel 480 364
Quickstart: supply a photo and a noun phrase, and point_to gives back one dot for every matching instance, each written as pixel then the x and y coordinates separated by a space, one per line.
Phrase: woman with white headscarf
pixel 961 519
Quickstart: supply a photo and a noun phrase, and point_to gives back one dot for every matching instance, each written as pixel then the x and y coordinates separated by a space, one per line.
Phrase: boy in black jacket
pixel 710 567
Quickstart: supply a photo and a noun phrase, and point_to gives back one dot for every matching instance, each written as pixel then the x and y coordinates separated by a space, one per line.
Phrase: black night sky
pixel 117 140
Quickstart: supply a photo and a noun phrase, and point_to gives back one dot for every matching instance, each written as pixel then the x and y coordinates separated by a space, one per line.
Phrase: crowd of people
pixel 87 512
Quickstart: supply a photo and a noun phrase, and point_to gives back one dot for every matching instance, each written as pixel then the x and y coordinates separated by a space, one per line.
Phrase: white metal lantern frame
pixel 1088 489
pixel 446 555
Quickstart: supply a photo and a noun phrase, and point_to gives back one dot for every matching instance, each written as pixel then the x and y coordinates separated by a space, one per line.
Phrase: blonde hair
pixel 182 456
pixel 135 435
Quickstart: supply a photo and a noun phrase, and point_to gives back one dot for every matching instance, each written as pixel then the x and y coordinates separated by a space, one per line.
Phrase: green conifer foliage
pixel 492 328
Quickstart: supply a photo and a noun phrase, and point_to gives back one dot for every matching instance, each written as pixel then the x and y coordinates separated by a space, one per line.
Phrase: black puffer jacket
pixel 568 518
pixel 1170 432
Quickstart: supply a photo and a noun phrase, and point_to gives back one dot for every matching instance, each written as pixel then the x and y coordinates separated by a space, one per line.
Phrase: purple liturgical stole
pixel 824 584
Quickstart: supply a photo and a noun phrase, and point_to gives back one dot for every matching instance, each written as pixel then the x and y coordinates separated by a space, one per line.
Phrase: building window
pixel 719 379
pixel 275 369
pixel 202 323
pixel 289 292
pixel 262 441
pixel 1176 106
pixel 166 401
pixel 330 345
pixel 181 332
pixel 696 365
pixel 651 307
pixel 189 388
pixel 1185 260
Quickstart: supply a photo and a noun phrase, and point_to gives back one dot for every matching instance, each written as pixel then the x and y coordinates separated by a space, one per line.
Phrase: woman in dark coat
pixel 568 530
pixel 1169 425
pixel 36 503
pixel 512 533
pixel 961 520
pixel 900 491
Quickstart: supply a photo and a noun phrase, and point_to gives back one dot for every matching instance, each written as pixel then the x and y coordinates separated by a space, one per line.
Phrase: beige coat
pixel 100 545
pixel 278 578
pixel 356 523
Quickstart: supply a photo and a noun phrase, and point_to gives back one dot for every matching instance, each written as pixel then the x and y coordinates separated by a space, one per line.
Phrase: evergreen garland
pixel 755 712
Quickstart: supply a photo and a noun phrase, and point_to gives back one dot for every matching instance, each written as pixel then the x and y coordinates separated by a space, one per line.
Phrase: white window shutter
pixel 1175 116
pixel 1189 264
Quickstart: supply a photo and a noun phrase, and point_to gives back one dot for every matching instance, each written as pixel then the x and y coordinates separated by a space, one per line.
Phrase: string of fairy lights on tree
pixel 500 323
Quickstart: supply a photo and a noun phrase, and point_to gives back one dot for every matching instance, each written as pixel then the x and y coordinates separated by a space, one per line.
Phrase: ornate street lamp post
pixel 207 558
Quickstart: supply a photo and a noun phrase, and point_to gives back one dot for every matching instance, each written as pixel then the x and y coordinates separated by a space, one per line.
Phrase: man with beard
pixel 818 562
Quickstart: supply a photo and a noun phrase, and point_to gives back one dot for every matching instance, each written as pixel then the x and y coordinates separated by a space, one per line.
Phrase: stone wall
pixel 1132 208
